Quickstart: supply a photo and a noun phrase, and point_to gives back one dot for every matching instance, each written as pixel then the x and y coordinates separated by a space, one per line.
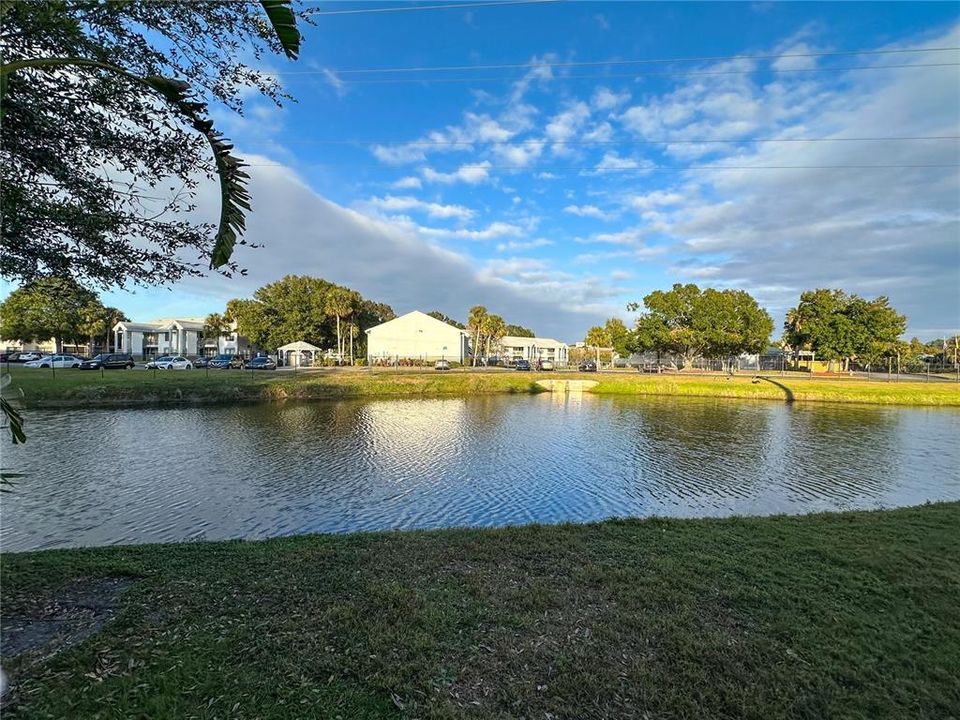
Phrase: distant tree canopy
pixel 691 322
pixel 56 308
pixel 105 133
pixel 498 331
pixel 839 326
pixel 300 307
pixel 617 336
pixel 519 331
pixel 448 320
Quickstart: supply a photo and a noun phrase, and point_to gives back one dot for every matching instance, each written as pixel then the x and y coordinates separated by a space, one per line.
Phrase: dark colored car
pixel 262 363
pixel 9 357
pixel 225 362
pixel 588 366
pixel 109 361
pixel 522 365
pixel 198 361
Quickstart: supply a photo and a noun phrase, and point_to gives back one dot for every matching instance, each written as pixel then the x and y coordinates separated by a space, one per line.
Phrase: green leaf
pixel 234 196
pixel 284 23
pixel 14 422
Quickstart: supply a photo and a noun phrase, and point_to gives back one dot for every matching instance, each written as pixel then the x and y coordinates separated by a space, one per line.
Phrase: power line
pixel 469 143
pixel 604 76
pixel 643 61
pixel 641 168
pixel 418 8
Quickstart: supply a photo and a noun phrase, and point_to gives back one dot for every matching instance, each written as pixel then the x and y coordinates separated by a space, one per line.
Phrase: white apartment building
pixel 533 349
pixel 168 336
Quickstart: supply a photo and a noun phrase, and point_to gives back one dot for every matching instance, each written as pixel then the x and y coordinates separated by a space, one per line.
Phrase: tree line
pixel 58 308
pixel 688 322
pixel 300 307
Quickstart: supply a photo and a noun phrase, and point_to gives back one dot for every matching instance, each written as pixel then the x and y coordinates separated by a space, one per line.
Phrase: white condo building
pixel 179 336
pixel 533 349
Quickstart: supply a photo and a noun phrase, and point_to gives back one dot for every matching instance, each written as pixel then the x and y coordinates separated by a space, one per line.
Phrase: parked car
pixel 546 365
pixel 199 361
pixel 171 362
pixel 588 366
pixel 56 361
pixel 26 357
pixel 9 357
pixel 522 365
pixel 225 362
pixel 109 361
pixel 441 365
pixel 262 363
pixel 654 368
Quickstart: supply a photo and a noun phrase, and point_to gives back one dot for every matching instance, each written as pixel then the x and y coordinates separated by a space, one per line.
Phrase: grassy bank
pixel 844 616
pixel 139 387
pixel 773 387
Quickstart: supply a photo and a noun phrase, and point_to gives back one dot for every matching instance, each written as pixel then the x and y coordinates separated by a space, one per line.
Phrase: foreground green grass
pixel 138 387
pixel 828 616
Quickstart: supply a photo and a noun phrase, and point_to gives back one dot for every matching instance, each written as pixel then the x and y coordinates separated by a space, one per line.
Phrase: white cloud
pixel 601 132
pixel 606 99
pixel 470 174
pixel 565 125
pixel 630 236
pixel 591 211
pixel 492 231
pixel 654 199
pixel 399 154
pixel 613 161
pixel 595 257
pixel 407 183
pixel 514 245
pixel 334 80
pixel 395 203
pixel 518 156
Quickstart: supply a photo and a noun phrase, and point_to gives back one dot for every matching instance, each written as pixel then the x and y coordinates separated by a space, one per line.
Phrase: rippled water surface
pixel 123 476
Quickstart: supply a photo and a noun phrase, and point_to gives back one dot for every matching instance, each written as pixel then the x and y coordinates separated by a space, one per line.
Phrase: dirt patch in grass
pixel 81 609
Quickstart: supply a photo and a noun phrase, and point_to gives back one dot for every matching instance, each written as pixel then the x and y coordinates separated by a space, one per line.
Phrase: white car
pixel 56 361
pixel 171 362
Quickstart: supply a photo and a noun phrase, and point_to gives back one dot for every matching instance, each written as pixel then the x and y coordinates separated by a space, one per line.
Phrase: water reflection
pixel 259 471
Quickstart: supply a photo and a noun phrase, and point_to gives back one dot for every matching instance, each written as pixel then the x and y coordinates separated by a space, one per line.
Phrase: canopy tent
pixel 298 353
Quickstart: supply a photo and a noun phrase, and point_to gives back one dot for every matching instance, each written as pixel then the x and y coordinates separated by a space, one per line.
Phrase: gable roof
pixel 299 346
pixel 524 341
pixel 420 316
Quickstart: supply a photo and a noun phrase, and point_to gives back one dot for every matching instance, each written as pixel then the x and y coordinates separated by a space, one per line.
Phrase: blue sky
pixel 550 192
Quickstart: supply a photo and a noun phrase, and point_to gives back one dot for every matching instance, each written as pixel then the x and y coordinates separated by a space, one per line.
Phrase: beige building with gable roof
pixel 416 336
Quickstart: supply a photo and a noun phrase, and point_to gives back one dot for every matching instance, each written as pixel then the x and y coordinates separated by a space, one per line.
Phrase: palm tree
pixel 596 338
pixel 215 325
pixel 111 317
pixel 339 305
pixel 496 329
pixel 476 324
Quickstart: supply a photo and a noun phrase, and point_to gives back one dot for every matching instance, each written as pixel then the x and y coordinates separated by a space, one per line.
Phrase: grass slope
pixel 138 387
pixel 849 615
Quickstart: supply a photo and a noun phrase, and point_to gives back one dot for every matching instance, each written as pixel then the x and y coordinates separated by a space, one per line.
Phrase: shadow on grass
pixel 786 391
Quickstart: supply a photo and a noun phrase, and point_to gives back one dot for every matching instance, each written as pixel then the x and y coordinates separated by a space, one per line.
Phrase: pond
pixel 99 477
